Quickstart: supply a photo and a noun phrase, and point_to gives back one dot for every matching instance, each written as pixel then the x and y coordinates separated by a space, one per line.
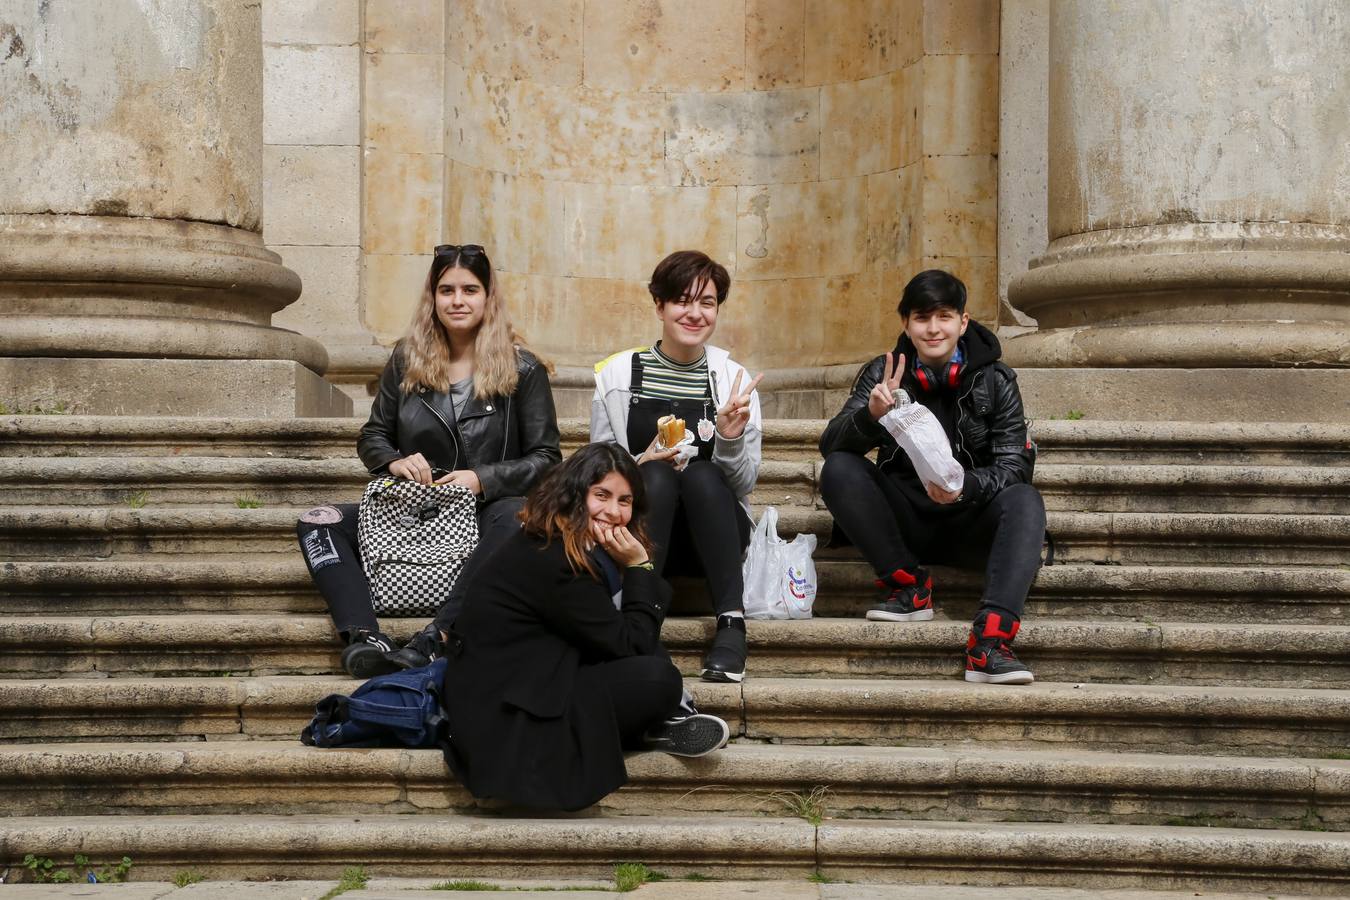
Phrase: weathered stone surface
pixel 330 296
pixel 1024 113
pixel 775 43
pixel 149 387
pixel 311 94
pixel 405 26
pixel 520 222
pixel 1195 395
pixel 117 109
pixel 595 216
pixel 961 26
pixel 960 200
pixel 441 846
pixel 747 137
pixel 519 39
pixel 403 200
pixel 651 46
pixel 796 230
pixel 1108 856
pixel 404 102
pixel 391 287
pixel 859 134
pixel 850 41
pixel 311 21
pixel 961 94
pixel 313 195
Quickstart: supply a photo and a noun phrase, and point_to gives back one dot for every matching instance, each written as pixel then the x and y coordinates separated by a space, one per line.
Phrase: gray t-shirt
pixel 460 392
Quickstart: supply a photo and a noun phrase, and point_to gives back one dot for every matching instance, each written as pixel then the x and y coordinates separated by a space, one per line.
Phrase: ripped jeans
pixel 328 542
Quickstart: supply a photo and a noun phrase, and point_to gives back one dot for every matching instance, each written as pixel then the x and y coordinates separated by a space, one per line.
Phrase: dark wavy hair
pixel 556 508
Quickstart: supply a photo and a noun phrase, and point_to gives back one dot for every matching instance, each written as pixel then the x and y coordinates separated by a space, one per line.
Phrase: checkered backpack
pixel 414 539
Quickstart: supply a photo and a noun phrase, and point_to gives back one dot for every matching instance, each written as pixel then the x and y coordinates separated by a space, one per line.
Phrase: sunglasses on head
pixel 460 249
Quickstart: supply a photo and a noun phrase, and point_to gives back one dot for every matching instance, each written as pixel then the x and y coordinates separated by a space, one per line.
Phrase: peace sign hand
pixel 735 413
pixel 882 398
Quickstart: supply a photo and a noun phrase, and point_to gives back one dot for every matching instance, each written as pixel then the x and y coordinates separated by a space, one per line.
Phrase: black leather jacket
pixel 983 419
pixel 509 442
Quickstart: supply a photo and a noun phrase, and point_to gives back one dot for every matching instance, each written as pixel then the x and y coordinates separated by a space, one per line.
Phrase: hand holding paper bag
pixel 920 435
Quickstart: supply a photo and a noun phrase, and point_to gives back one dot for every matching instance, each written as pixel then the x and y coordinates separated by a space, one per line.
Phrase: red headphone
pixel 928 380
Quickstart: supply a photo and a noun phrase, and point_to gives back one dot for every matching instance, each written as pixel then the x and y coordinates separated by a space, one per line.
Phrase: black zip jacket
pixel 982 417
pixel 509 442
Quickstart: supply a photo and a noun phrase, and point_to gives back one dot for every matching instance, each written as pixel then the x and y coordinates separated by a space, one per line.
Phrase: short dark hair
pixel 932 289
pixel 687 269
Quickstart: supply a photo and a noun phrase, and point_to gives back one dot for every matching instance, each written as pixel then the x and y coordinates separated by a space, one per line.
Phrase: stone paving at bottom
pixel 549 889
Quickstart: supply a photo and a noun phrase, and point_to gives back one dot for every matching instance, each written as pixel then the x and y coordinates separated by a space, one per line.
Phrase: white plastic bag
pixel 780 577
pixel 920 435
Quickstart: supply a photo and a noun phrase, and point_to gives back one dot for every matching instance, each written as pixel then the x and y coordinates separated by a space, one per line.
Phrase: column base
pixel 168 387
pixel 1190 395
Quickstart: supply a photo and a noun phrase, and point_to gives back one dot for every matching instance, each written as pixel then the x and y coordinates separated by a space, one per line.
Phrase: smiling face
pixel 610 501
pixel 460 302
pixel 688 322
pixel 935 333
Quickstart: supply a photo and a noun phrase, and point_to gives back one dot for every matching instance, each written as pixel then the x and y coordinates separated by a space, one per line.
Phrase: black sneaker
pixel 725 659
pixel 367 654
pixel 696 735
pixel 422 649
pixel 910 599
pixel 989 655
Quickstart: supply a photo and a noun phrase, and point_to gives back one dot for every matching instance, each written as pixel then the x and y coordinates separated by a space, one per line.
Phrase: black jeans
pixel 695 514
pixel 644 691
pixel 1003 537
pixel 329 545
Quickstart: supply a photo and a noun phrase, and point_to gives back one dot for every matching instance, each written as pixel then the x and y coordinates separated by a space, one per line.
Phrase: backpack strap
pixel 407 718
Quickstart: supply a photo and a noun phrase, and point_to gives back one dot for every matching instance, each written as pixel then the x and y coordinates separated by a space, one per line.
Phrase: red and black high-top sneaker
pixel 910 598
pixel 989 658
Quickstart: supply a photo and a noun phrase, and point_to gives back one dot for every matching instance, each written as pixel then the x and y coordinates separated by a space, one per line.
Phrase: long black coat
pixel 509 442
pixel 526 725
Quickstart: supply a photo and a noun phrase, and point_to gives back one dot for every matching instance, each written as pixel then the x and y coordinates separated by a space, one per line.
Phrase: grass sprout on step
pixel 809 805
pixel 248 501
pixel 187 876
pixel 465 884
pixel 354 878
pixel 631 876
pixel 138 499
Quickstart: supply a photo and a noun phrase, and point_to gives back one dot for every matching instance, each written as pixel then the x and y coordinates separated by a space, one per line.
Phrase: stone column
pixel 131 251
pixel 1199 189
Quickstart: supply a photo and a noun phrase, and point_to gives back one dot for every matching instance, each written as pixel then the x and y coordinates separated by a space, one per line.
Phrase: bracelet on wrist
pixel 644 565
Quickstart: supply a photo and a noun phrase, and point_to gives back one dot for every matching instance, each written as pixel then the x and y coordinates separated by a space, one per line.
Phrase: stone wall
pixel 824 151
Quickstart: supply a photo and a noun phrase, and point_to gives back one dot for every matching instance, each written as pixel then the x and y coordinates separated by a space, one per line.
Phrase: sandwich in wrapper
pixel 920 435
pixel 672 435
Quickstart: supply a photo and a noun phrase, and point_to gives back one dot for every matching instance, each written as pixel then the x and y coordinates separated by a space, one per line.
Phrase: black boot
pixel 725 659
pixel 422 649
pixel 367 654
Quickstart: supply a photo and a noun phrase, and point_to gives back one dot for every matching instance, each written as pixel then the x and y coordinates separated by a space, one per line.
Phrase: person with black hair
pixel 461 401
pixel 699 491
pixel 949 363
pixel 555 664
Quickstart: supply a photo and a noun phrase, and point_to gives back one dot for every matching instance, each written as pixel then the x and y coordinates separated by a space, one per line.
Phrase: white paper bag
pixel 920 435
pixel 779 575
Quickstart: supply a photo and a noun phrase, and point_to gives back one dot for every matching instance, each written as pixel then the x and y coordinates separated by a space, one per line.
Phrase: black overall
pixel 695 521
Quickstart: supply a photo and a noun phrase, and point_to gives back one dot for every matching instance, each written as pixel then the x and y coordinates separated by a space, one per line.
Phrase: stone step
pixel 1243 721
pixel 129 484
pixel 1295 656
pixel 931 784
pixel 904 851
pixel 54 533
pixel 279 583
pixel 1083 441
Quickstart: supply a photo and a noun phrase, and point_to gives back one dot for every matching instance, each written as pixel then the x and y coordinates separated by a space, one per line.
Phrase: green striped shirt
pixel 665 379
